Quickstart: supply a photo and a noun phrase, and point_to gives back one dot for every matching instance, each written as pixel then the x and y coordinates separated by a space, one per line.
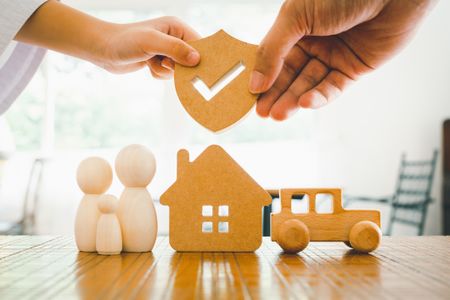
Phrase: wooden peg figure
pixel 135 167
pixel 94 177
pixel 109 236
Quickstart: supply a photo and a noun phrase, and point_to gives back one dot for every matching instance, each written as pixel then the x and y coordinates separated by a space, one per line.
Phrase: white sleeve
pixel 18 62
pixel 13 14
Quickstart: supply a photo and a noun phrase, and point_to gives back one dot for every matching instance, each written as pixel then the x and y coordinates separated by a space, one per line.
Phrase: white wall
pixel 399 108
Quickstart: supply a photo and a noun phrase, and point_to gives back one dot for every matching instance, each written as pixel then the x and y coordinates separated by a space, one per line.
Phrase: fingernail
pixel 256 82
pixel 291 112
pixel 193 57
pixel 318 101
pixel 166 65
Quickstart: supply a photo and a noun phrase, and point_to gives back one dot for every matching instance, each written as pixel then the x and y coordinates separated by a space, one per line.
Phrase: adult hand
pixel 315 49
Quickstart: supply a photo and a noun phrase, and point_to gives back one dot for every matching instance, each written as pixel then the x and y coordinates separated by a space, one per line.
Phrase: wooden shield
pixel 220 54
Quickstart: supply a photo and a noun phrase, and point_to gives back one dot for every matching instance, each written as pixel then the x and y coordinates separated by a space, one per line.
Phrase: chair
pixel 410 201
pixel 446 177
pixel 26 223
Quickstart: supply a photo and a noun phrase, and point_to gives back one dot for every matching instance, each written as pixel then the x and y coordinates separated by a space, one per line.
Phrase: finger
pixel 168 63
pixel 309 77
pixel 294 63
pixel 327 90
pixel 164 62
pixel 174 48
pixel 181 30
pixel 273 49
pixel 127 68
pixel 156 75
pixel 158 70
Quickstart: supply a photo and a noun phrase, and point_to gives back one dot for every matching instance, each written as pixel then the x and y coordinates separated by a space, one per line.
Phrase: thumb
pixel 177 49
pixel 275 46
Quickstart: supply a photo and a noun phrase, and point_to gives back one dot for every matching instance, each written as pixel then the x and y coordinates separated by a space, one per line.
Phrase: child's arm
pixel 118 48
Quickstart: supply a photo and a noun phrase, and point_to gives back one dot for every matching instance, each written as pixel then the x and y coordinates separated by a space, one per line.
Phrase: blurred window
pixel 90 108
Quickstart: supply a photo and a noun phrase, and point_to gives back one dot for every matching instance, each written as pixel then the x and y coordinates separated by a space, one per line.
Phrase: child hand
pixel 118 48
pixel 156 43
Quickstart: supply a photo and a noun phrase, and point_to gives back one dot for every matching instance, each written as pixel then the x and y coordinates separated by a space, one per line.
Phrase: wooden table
pixel 33 267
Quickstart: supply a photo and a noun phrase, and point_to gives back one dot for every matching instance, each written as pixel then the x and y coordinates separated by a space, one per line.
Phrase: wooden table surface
pixel 35 267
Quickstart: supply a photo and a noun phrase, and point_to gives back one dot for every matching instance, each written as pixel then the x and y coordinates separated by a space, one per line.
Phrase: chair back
pixel 32 194
pixel 413 193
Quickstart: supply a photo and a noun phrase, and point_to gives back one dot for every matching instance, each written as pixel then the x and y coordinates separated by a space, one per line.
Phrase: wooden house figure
pixel 214 204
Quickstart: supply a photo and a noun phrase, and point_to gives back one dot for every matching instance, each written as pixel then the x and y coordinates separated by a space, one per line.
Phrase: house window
pixel 223 227
pixel 223 211
pixel 207 227
pixel 215 218
pixel 207 210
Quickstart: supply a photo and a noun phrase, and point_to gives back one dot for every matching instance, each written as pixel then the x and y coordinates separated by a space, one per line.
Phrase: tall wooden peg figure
pixel 94 177
pixel 135 167
pixel 109 236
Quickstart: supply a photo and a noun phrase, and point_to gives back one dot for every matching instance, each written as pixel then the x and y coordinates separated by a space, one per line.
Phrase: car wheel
pixel 293 236
pixel 365 236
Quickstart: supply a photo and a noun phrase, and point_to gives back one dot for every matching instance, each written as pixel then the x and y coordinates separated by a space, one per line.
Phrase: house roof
pixel 213 175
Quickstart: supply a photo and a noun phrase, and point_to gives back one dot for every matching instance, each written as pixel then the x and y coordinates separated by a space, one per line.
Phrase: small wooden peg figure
pixel 135 167
pixel 94 177
pixel 109 236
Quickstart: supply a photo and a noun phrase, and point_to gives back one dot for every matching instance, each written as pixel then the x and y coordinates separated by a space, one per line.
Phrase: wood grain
pixel 40 267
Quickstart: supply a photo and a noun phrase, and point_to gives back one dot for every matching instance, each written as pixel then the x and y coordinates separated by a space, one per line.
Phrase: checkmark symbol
pixel 209 92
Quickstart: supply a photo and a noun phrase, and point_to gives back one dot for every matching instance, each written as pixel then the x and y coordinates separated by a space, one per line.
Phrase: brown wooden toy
pixel 359 229
pixel 214 204
pixel 221 56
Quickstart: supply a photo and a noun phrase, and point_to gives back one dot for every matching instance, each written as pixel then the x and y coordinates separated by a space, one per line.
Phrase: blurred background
pixel 73 109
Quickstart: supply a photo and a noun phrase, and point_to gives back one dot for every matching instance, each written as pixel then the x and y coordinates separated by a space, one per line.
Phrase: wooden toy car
pixel 359 229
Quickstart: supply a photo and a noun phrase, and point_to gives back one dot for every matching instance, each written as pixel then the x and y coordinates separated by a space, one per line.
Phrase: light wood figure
pixel 109 236
pixel 221 56
pixel 359 229
pixel 94 177
pixel 214 204
pixel 135 167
